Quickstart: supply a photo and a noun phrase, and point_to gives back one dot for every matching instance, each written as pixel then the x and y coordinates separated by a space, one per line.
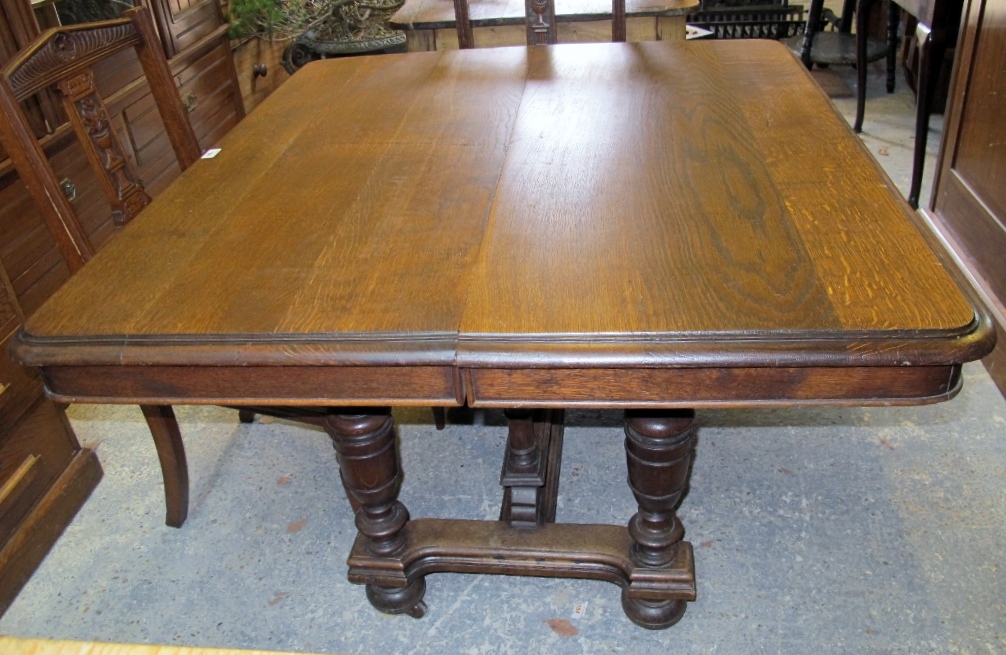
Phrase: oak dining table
pixel 655 227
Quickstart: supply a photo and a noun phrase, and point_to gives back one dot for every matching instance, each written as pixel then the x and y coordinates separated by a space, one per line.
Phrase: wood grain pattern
pixel 981 147
pixel 326 265
pixel 968 207
pixel 578 207
pixel 691 221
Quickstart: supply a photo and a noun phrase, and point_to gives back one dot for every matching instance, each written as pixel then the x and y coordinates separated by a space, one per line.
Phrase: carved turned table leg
pixel 368 460
pixel 523 474
pixel 530 476
pixel 658 450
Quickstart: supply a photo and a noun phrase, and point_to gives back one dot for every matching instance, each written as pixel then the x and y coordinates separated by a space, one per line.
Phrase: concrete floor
pixel 815 530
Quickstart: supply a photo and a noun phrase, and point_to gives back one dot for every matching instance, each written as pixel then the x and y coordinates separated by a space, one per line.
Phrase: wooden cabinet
pixel 45 475
pixel 968 206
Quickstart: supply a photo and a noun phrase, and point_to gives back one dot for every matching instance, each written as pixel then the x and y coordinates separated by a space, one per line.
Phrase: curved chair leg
pixel 932 48
pixel 862 26
pixel 893 21
pixel 813 19
pixel 171 453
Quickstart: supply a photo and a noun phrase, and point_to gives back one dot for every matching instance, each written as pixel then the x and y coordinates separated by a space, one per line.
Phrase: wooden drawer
pixel 19 387
pixel 33 452
pixel 210 88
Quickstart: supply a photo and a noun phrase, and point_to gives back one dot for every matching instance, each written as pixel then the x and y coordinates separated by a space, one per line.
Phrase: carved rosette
pixel 90 120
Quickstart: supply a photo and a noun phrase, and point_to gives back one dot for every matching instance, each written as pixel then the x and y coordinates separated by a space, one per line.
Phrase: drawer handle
pixel 69 189
pixel 190 101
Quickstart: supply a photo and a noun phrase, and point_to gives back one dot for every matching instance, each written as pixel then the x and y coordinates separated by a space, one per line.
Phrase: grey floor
pixel 816 531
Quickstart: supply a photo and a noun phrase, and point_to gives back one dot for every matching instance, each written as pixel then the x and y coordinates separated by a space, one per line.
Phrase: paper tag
pixel 211 153
pixel 579 609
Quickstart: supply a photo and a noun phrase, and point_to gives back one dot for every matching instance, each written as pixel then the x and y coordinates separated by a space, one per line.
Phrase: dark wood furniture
pixel 939 21
pixel 840 46
pixel 45 474
pixel 64 59
pixel 968 205
pixel 654 226
pixel 431 24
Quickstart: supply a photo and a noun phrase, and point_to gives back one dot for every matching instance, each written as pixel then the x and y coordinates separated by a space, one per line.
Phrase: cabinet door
pixel 970 196
pixel 182 23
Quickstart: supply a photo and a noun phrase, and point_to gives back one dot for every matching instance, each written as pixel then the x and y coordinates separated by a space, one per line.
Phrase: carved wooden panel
pixel 35 73
pixel 101 144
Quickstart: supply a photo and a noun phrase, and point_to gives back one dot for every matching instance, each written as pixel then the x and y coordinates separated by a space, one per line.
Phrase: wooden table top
pixel 643 204
pixel 437 14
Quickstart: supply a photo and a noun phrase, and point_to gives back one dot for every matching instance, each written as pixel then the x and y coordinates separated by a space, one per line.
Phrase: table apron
pixel 256 385
pixel 698 387
pixel 447 385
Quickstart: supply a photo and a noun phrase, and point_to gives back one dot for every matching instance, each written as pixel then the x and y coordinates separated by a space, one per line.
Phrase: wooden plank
pixel 356 139
pixel 662 234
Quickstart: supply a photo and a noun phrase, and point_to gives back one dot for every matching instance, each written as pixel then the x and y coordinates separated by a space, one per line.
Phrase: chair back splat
pixel 539 19
pixel 63 58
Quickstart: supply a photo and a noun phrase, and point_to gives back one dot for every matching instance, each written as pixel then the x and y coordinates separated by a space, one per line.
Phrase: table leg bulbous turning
pixel 658 449
pixel 368 462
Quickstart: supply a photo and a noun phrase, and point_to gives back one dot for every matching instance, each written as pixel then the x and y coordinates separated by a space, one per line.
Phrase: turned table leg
pixel 658 450
pixel 368 461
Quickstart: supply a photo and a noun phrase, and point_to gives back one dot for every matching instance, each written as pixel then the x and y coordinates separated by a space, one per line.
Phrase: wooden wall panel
pixel 980 159
pixel 968 206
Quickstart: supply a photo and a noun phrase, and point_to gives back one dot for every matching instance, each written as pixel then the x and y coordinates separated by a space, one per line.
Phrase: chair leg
pixel 246 416
pixel 171 453
pixel 813 19
pixel 932 49
pixel 439 417
pixel 862 26
pixel 893 22
pixel 848 10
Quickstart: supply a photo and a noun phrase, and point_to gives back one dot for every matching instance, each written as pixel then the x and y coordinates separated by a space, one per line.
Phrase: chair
pixel 937 31
pixel 938 25
pixel 539 18
pixel 63 58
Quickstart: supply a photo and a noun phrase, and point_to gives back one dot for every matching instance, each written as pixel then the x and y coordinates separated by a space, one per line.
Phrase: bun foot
pixel 399 600
pixel 652 614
